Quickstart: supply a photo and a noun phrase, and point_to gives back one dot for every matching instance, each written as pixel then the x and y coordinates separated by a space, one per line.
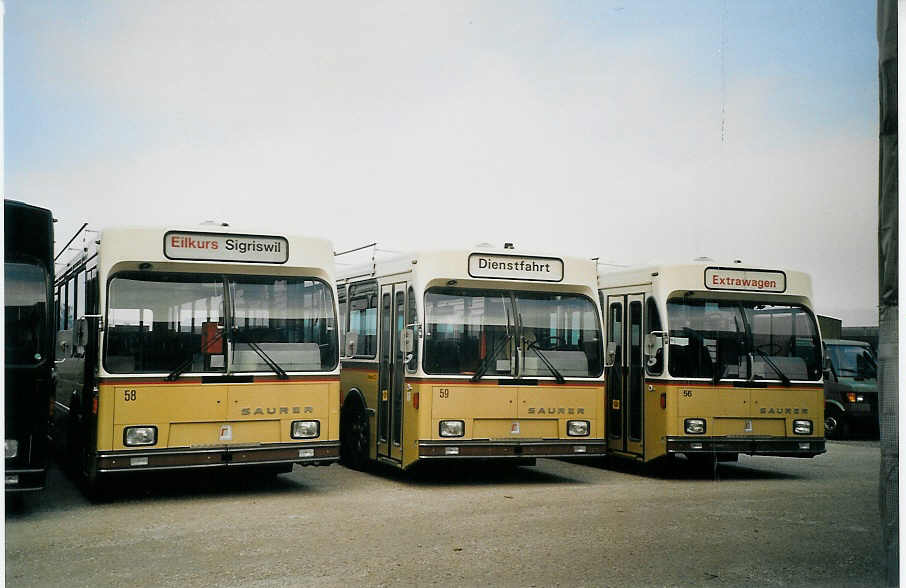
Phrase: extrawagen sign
pixel 515 267
pixel 225 247
pixel 721 278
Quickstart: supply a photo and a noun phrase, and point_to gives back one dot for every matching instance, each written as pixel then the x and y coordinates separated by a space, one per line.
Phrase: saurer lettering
pixel 555 410
pixel 275 410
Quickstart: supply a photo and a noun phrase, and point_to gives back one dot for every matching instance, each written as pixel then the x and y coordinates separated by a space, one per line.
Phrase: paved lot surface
pixel 761 522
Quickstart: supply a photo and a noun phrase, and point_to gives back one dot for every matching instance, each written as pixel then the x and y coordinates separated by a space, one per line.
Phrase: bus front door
pixel 625 375
pixel 391 379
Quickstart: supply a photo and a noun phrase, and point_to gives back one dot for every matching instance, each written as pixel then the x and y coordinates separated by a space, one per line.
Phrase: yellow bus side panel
pixel 366 381
pixel 655 436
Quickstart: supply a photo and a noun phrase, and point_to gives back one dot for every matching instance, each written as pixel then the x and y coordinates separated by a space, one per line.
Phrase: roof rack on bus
pixel 81 253
pixel 368 266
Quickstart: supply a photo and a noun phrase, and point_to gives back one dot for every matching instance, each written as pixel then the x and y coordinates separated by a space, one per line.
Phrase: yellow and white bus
pixel 711 362
pixel 197 348
pixel 471 354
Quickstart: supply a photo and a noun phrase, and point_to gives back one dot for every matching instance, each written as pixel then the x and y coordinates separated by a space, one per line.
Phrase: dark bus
pixel 27 291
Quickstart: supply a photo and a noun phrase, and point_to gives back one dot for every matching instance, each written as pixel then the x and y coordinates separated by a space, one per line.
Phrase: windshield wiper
pixel 767 360
pixel 275 367
pixel 186 363
pixel 533 345
pixel 486 364
pixel 183 366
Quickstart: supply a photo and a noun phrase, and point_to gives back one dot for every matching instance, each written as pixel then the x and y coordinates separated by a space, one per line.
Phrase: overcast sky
pixel 626 130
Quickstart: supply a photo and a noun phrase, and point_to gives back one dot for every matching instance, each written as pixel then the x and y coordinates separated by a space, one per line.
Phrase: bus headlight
pixel 577 428
pixel 801 427
pixel 137 436
pixel 305 429
pixel 12 448
pixel 452 428
pixel 694 426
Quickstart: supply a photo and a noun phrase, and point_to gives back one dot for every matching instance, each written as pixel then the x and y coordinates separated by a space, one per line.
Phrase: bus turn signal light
pixel 663 401
pixel 415 400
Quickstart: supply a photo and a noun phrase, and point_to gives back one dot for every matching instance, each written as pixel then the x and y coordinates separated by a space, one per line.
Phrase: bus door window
pixel 655 364
pixel 412 319
pixel 635 370
pixel 615 369
pixel 384 383
pixel 341 302
pixel 398 362
pixel 361 340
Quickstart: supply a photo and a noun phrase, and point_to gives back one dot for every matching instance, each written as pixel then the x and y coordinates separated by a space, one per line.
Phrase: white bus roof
pixel 482 267
pixel 725 280
pixel 230 249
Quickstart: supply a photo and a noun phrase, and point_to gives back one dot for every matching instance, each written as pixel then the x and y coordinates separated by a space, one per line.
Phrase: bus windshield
pixel 742 340
pixel 178 323
pixel 25 295
pixel 471 331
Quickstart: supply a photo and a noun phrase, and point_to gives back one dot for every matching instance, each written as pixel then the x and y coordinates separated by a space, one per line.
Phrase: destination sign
pixel 226 247
pixel 719 278
pixel 515 267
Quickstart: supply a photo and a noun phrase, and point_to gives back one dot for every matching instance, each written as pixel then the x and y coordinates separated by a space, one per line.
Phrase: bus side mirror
pixel 408 340
pixel 351 340
pixel 611 352
pixel 654 342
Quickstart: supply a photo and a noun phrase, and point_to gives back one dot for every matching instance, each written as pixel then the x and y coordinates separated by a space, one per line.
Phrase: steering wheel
pixel 555 339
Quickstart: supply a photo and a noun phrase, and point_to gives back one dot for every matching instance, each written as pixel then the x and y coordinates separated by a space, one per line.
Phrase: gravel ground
pixel 762 522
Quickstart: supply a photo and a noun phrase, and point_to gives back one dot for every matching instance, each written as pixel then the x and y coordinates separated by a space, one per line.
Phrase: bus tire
pixel 354 438
pixel 835 426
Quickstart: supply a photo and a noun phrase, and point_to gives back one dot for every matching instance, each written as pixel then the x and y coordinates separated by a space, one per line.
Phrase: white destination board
pixel 226 247
pixel 515 267
pixel 719 278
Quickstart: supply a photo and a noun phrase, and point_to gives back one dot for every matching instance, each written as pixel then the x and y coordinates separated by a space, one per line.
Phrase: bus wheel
pixel 354 439
pixel 834 425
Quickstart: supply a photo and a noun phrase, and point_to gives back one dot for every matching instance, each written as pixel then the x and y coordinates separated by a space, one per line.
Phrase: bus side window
pixel 362 328
pixel 653 323
pixel 341 299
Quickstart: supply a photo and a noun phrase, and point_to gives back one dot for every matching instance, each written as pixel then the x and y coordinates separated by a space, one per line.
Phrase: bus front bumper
pixel 453 448
pixel 24 479
pixel 324 453
pixel 775 446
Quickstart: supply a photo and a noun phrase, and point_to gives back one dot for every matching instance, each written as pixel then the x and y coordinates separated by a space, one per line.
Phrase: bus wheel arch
pixel 354 431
